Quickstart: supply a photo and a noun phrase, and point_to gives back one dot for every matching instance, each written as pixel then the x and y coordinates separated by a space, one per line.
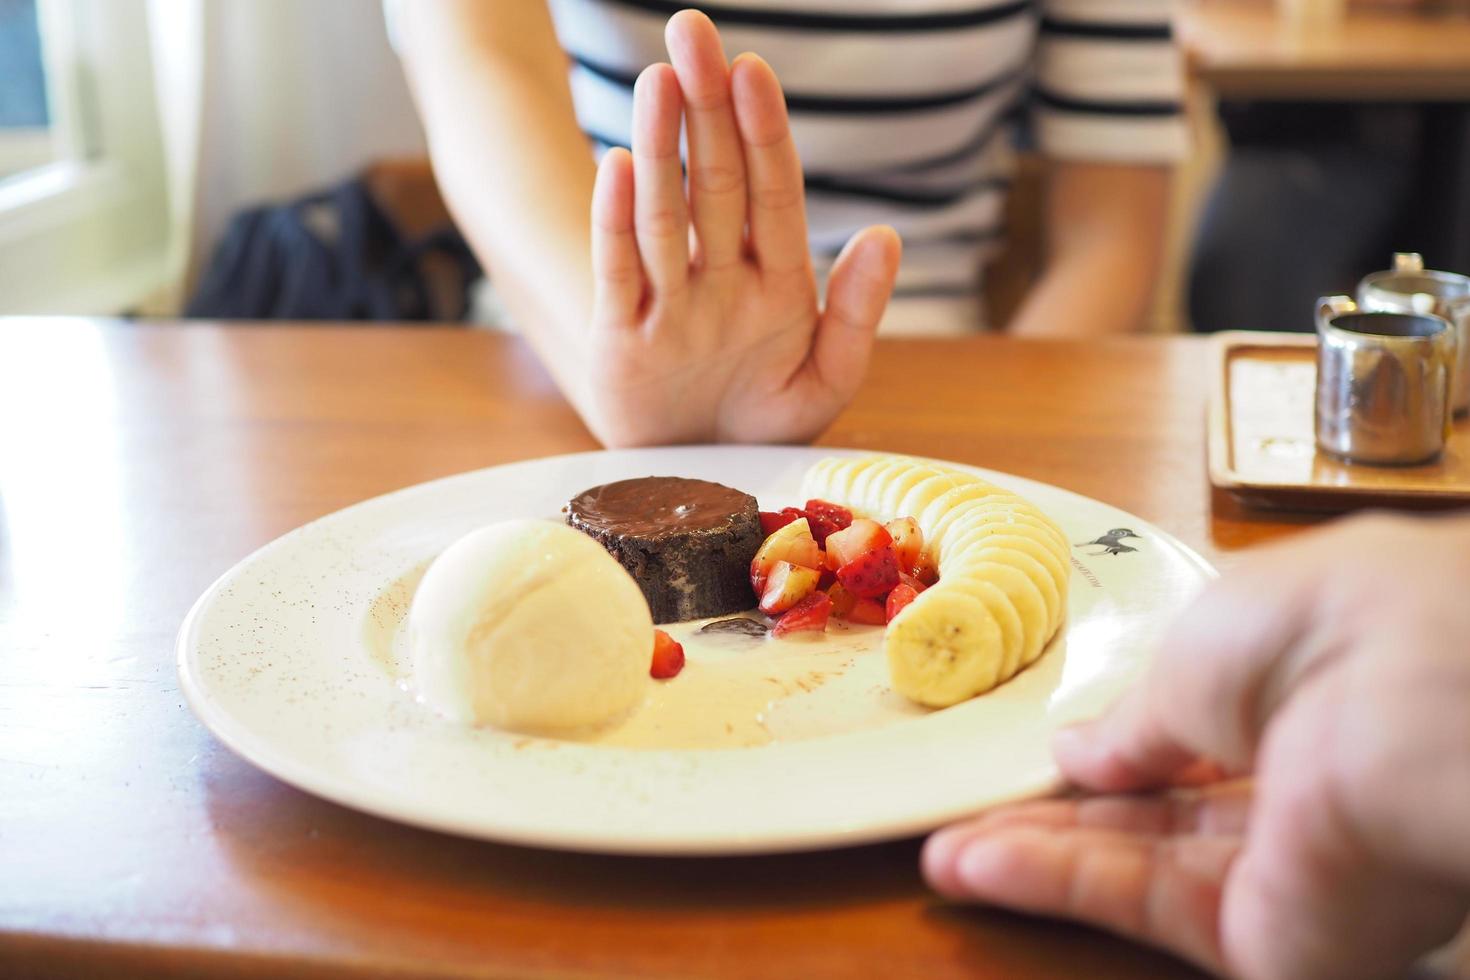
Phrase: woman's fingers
pixel 1161 890
pixel 777 210
pixel 617 271
pixel 857 293
pixel 661 210
pixel 716 159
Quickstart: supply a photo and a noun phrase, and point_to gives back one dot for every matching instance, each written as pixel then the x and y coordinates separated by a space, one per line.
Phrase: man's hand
pixel 1336 669
pixel 706 324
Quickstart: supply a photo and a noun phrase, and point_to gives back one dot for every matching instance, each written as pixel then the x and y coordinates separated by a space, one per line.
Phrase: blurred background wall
pixel 287 97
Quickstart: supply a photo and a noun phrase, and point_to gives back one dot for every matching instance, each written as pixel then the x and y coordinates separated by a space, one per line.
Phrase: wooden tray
pixel 1263 451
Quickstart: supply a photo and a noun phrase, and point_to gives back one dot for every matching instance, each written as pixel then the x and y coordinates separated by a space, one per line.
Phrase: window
pixel 83 196
pixel 25 116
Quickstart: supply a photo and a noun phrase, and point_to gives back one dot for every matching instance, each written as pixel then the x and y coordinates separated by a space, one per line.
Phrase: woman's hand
pixel 706 324
pixel 1336 669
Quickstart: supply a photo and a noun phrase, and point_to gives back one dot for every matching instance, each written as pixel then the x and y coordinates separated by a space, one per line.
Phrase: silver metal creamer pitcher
pixel 1383 383
pixel 1410 288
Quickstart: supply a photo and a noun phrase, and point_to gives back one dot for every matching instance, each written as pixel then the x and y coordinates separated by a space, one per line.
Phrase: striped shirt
pixel 909 112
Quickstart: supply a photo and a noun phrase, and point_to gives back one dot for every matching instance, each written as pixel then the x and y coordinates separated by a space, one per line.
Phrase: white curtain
pixel 264 100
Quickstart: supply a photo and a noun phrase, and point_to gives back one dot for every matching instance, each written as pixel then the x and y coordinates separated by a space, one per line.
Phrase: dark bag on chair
pixel 332 256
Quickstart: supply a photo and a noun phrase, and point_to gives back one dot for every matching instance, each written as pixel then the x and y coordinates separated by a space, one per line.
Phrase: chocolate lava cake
pixel 687 543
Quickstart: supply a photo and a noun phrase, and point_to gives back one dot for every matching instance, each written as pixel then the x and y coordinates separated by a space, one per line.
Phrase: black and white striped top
pixel 907 112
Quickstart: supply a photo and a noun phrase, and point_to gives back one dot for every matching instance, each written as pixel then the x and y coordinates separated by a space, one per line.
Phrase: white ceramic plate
pixel 294 659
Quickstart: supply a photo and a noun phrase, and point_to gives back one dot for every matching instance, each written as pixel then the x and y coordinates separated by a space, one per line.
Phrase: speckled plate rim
pixel 1032 775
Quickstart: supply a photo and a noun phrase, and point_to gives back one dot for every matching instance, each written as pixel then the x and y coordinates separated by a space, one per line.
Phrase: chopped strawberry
pixel 787 585
pixel 901 596
pixel 918 585
pixel 771 522
pixel 668 656
pixel 871 575
pixel 925 570
pixel 843 601
pixel 826 518
pixel 861 537
pixel 908 541
pixel 869 612
pixel 791 543
pixel 836 513
pixel 810 613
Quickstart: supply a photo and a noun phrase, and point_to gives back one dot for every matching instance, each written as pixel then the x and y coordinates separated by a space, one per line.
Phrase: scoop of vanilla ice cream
pixel 530 626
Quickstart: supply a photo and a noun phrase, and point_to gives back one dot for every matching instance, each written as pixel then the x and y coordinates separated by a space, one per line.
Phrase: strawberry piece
pixel 918 585
pixel 791 543
pixel 908 541
pixel 860 537
pixel 827 518
pixel 668 656
pixel 810 614
pixel 925 570
pixel 772 522
pixel 787 585
pixel 836 513
pixel 869 612
pixel 871 575
pixel 843 601
pixel 900 597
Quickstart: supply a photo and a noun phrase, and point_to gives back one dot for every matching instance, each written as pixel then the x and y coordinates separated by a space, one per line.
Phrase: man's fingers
pixel 777 212
pixel 716 158
pixel 1221 668
pixel 1218 810
pixel 617 270
pixel 1161 890
pixel 662 213
pixel 857 293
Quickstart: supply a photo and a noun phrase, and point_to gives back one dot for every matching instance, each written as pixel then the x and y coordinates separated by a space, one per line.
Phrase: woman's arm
pixel 668 312
pixel 490 81
pixel 1105 235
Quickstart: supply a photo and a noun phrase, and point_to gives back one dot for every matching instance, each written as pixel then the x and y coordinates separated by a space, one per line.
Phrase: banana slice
pixel 818 480
pixel 968 501
pixel 944 648
pixel 994 519
pixel 1039 546
pixel 835 483
pixel 1004 573
pixel 1020 590
pixel 925 492
pixel 867 489
pixel 1029 557
pixel 900 482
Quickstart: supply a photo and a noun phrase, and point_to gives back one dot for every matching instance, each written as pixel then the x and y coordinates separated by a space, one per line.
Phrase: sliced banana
pixel 867 488
pixel 997 517
pixel 1030 558
pixel 944 648
pixel 818 480
pixel 940 529
pixel 899 483
pixel 1024 595
pixel 1041 547
pixel 926 491
pixel 1004 573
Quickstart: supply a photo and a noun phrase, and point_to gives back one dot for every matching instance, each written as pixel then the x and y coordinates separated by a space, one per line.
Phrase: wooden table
pixel 1243 50
pixel 138 463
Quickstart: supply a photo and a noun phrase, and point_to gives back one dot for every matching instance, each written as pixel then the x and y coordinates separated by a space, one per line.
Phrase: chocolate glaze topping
pixel 658 506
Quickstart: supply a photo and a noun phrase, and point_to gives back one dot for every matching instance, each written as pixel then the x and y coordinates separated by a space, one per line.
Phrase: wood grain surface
pixel 137 463
pixel 1244 49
